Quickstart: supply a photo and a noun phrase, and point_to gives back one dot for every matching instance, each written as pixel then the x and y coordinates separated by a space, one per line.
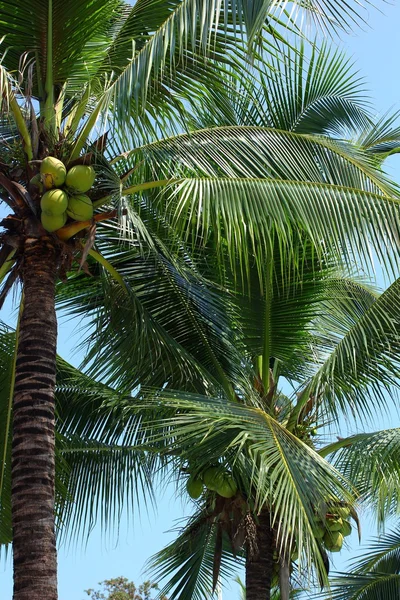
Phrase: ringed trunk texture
pixel 259 563
pixel 32 464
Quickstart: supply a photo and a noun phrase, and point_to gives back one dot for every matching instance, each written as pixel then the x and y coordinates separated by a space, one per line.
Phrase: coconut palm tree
pixel 199 546
pixel 266 439
pixel 70 72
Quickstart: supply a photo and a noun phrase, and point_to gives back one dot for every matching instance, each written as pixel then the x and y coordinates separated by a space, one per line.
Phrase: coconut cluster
pixel 64 193
pixel 329 531
pixel 215 479
pixel 335 527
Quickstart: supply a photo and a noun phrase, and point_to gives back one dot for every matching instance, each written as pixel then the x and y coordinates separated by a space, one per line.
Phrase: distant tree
pixel 120 588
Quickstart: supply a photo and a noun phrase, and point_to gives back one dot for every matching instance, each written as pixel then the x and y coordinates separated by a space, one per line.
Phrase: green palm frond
pixel 188 561
pixel 317 94
pixel 98 474
pixel 179 324
pixel 369 586
pixel 375 575
pixel 269 152
pixel 310 304
pixel 25 29
pixel 249 212
pixel 273 468
pixel 364 364
pixel 383 137
pixel 100 481
pixel 383 556
pixel 372 462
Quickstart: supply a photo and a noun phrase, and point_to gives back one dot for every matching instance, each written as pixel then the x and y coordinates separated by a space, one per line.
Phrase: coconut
pixel 334 523
pixel 80 179
pixel 53 222
pixel 227 488
pixel 342 511
pixel 80 208
pixel 213 478
pixel 36 182
pixel 346 529
pixel 319 531
pixel 194 487
pixel 333 541
pixel 54 202
pixel 53 172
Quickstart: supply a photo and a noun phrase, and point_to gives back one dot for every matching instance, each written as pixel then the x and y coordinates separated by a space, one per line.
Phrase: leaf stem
pixel 267 318
pixel 108 266
pixel 6 266
pixel 148 186
pixel 77 113
pixel 86 131
pixel 21 125
pixel 342 443
pixel 49 114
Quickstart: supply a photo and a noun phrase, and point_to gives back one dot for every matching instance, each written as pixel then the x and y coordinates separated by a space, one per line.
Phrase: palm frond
pixel 272 467
pixel 317 94
pixel 371 461
pixel 364 364
pixel 375 575
pixel 188 561
pixel 73 24
pixel 369 586
pixel 100 481
pixel 383 137
pixel 179 324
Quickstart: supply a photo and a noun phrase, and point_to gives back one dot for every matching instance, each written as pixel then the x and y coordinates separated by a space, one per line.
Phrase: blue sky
pixel 374 50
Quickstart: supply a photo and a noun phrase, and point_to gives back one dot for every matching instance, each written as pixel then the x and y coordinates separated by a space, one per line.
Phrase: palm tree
pixel 266 439
pixel 69 72
pixel 340 382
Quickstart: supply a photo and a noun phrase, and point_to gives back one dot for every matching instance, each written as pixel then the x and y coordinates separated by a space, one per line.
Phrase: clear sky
pixel 374 51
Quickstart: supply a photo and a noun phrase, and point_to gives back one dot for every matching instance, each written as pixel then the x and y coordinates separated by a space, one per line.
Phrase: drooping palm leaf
pixel 179 324
pixel 190 558
pixel 95 480
pixel 364 364
pixel 373 576
pixel 273 468
pixel 371 461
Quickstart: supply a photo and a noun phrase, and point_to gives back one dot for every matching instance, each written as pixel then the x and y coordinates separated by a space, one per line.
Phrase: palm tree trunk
pixel 259 563
pixel 32 464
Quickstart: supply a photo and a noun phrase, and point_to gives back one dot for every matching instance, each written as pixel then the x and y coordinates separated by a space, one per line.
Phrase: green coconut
pixel 346 529
pixel 319 531
pixel 333 541
pixel 53 172
pixel 194 487
pixel 53 222
pixel 36 182
pixel 80 179
pixel 80 208
pixel 334 523
pixel 213 478
pixel 54 202
pixel 342 511
pixel 228 487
